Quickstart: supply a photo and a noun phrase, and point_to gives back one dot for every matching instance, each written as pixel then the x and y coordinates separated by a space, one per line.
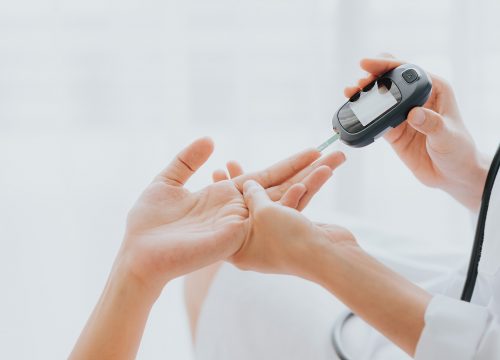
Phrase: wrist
pixel 469 191
pixel 115 328
pixel 327 253
pixel 124 276
pixel 482 169
pixel 379 296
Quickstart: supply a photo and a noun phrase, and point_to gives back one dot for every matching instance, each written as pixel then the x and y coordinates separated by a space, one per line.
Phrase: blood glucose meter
pixel 381 105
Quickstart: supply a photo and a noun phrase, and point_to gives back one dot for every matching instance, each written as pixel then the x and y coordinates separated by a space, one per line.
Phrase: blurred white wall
pixel 96 96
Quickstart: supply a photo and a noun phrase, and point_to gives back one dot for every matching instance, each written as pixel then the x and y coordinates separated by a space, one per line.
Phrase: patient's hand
pixel 434 142
pixel 171 231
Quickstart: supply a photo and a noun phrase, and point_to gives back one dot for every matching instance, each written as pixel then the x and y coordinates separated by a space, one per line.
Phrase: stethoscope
pixel 471 278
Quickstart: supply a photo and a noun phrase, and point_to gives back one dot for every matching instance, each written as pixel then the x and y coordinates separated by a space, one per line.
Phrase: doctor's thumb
pixel 429 123
pixel 255 196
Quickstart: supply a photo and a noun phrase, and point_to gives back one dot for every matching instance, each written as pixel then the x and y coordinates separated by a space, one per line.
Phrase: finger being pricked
pixel 299 194
pixel 280 172
pixel 306 167
pixel 313 177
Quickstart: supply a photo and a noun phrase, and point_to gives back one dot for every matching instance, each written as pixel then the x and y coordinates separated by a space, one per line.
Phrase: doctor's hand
pixel 172 231
pixel 280 239
pixel 434 142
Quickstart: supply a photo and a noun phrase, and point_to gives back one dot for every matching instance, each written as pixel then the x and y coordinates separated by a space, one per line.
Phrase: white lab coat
pixel 461 331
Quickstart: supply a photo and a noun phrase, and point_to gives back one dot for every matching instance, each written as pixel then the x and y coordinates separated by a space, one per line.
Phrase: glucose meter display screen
pixel 367 105
pixel 373 103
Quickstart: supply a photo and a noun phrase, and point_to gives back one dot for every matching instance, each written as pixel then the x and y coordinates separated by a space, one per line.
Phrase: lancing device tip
pixel 328 142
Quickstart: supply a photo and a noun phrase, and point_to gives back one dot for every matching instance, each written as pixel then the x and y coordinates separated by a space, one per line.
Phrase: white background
pixel 96 97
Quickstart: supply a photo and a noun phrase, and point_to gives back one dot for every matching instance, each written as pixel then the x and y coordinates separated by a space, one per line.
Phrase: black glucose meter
pixel 381 105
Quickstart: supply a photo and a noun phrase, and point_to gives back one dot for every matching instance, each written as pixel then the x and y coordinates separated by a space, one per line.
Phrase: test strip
pixel 328 142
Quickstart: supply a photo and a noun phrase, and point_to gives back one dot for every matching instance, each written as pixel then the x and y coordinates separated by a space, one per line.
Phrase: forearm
pixel 115 328
pixel 468 190
pixel 387 301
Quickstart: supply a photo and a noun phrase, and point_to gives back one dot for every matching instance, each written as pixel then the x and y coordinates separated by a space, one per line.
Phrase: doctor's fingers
pixel 374 67
pixel 255 196
pixel 440 136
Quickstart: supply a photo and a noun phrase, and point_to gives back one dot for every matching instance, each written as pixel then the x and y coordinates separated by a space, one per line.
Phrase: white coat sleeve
pixel 458 330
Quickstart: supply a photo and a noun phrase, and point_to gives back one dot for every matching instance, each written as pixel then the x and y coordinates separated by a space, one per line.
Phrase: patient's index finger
pixel 332 160
pixel 281 171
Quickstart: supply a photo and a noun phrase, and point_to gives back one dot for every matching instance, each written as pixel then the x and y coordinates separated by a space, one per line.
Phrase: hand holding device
pixel 434 143
pixel 381 104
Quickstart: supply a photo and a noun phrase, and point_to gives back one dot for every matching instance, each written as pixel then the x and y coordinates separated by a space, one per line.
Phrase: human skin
pixel 436 146
pixel 434 142
pixel 330 256
pixel 171 231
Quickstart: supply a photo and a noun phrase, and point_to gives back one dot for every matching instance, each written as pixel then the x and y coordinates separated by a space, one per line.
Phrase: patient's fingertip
pixel 312 151
pixel 342 157
pixel 219 175
pixel 325 169
pixel 336 158
pixel 300 188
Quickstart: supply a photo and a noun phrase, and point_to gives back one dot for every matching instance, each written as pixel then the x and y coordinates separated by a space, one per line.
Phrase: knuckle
pixel 266 176
pixel 284 187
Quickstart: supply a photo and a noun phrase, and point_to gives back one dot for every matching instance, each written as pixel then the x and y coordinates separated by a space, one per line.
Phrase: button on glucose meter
pixel 410 75
pixel 382 104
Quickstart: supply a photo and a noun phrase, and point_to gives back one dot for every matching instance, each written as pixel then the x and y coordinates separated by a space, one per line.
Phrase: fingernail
pixel 418 117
